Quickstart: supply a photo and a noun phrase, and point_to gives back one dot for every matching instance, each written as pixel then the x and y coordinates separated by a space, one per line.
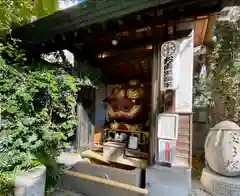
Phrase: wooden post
pixel 170 35
pixel 156 80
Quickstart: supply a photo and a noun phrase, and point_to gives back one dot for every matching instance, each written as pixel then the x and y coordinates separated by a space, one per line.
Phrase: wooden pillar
pixel 170 35
pixel 157 99
pixel 156 80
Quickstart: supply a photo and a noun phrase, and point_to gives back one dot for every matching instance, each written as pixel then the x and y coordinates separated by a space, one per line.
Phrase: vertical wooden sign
pixel 170 63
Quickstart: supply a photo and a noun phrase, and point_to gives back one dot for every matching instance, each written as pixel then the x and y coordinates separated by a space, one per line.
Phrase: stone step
pixel 89 188
pixel 79 186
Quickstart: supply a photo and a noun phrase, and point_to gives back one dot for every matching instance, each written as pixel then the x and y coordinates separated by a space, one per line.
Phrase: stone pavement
pixel 65 193
pixel 199 192
pixel 197 188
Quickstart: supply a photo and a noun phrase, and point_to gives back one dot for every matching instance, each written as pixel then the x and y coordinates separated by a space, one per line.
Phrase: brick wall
pixel 184 142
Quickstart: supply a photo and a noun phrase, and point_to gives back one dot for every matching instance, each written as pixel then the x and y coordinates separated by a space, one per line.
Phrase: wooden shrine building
pixel 123 39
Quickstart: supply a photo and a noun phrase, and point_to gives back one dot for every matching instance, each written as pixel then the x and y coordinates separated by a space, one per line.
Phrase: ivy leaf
pixel 11 109
pixel 33 138
pixel 65 144
pixel 28 121
pixel 3 83
pixel 54 89
pixel 75 89
pixel 18 142
pixel 37 144
pixel 36 163
pixel 67 125
pixel 61 115
pixel 70 133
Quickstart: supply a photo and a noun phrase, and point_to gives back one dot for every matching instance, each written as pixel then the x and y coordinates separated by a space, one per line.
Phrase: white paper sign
pixel 168 126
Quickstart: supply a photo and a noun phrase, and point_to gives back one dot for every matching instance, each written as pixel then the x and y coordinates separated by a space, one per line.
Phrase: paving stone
pixel 200 192
pixel 65 193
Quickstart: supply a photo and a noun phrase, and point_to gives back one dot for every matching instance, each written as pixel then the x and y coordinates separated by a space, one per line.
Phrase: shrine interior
pixel 122 106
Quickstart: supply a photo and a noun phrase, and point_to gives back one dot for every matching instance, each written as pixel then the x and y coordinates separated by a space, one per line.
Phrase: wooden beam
pixel 125 56
pixel 122 45
pixel 131 26
pixel 204 30
pixel 182 10
pixel 179 28
pixel 209 31
pixel 119 79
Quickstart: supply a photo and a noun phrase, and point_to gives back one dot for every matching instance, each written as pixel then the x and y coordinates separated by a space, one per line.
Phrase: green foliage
pixel 37 101
pixel 221 89
pixel 43 8
pixel 15 13
pixel 12 51
pixel 6 183
pixel 202 94
pixel 37 114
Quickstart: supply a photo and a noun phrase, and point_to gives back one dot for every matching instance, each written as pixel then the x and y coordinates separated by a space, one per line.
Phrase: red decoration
pixel 167 151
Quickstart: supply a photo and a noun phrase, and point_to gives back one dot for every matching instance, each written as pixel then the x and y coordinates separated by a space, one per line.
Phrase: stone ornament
pixel 219 185
pixel 222 148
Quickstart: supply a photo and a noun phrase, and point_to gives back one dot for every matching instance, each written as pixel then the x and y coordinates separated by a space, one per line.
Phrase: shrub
pixel 37 103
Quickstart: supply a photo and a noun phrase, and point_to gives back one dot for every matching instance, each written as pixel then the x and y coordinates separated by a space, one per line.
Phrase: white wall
pixel 183 100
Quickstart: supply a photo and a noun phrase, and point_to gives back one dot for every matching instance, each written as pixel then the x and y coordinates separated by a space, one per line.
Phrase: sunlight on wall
pixel 64 4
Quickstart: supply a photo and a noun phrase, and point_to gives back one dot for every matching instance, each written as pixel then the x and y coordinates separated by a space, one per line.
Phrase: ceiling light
pixel 114 42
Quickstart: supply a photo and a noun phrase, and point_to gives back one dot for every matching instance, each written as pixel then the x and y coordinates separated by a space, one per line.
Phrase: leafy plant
pixel 37 114
pixel 14 13
pixel 6 183
pixel 221 89
pixel 202 94
pixel 37 101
